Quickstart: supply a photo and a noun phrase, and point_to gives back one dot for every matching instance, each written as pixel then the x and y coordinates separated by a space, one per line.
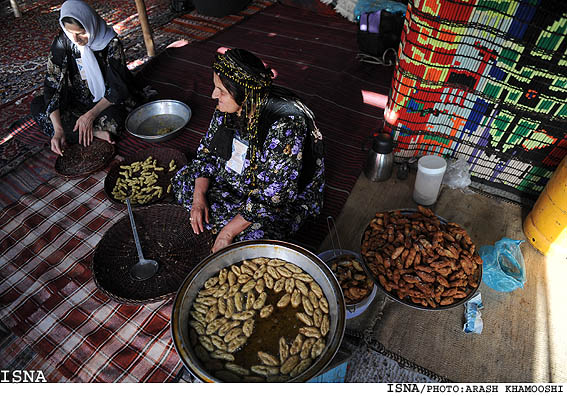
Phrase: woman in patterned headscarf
pixel 259 170
pixel 87 83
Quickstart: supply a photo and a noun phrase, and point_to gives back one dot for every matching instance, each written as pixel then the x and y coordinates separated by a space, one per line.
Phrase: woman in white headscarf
pixel 87 88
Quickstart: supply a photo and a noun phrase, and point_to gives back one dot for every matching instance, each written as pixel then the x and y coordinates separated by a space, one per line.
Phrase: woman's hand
pixel 223 239
pixel 85 122
pixel 85 126
pixel 58 142
pixel 230 231
pixel 199 212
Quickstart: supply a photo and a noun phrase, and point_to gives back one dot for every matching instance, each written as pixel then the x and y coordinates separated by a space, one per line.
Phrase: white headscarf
pixel 100 35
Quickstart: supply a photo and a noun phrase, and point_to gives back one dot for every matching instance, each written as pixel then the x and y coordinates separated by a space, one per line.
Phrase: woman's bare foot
pixel 104 135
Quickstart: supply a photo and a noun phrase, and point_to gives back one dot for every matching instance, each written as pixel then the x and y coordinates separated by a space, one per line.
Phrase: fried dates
pixel 354 282
pixel 421 260
pixel 259 320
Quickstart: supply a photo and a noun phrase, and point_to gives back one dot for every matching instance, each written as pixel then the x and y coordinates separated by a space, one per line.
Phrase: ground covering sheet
pixel 49 299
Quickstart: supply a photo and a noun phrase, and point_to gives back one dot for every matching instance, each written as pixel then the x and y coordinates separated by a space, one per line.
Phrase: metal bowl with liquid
pixel 233 254
pixel 159 120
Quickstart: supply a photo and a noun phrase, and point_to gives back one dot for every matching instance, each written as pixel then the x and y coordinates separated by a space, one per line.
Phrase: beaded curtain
pixel 486 81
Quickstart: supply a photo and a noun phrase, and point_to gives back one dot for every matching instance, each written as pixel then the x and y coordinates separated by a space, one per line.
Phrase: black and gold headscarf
pixel 256 84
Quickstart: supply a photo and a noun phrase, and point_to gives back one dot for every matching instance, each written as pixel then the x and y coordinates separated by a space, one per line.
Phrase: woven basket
pixel 79 161
pixel 163 157
pixel 165 236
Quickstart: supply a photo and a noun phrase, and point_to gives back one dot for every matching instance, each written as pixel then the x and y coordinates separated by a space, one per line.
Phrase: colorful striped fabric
pixel 195 27
pixel 485 81
pixel 49 299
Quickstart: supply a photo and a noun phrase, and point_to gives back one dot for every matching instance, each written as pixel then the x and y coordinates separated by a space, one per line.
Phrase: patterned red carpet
pixel 23 53
pixel 195 27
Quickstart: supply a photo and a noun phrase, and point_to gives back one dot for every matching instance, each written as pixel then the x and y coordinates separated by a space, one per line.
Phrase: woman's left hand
pixel 223 239
pixel 85 126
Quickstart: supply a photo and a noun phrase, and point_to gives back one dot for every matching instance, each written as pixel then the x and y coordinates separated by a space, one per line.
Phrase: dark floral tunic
pixel 64 89
pixel 275 207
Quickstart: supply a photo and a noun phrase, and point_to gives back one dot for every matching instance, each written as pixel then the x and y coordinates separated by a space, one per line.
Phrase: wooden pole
pixel 146 29
pixel 16 9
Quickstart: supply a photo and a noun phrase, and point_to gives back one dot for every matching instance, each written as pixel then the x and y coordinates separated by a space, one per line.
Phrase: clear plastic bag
pixel 473 318
pixel 503 267
pixel 457 174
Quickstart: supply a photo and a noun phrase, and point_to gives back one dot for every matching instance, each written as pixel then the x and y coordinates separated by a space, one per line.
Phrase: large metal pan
pixel 235 253
pixel 159 120
pixel 471 290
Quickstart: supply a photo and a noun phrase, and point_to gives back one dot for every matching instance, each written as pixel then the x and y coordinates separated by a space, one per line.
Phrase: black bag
pixel 181 5
pixel 379 34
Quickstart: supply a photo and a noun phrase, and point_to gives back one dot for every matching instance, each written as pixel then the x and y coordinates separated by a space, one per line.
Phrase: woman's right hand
pixel 58 142
pixel 199 212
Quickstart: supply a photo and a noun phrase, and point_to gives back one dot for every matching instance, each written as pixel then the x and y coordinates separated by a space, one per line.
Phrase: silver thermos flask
pixel 380 160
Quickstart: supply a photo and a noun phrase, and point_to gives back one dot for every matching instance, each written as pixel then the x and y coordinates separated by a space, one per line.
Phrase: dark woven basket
pixel 79 161
pixel 163 157
pixel 165 236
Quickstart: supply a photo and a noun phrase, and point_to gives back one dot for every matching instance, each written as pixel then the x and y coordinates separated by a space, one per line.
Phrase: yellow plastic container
pixel 546 225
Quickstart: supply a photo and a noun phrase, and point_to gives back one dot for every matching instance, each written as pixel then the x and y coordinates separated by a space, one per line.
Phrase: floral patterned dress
pixel 277 205
pixel 64 89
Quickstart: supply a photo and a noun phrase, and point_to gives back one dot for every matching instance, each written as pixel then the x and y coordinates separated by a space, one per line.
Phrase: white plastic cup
pixel 430 171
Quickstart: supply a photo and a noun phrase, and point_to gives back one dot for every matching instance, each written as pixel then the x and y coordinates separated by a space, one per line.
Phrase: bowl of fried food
pixel 144 177
pixel 357 285
pixel 258 311
pixel 420 259
pixel 159 120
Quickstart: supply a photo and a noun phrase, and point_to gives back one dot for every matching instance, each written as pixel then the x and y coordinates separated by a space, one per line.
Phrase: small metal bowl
pixel 310 263
pixel 352 310
pixel 159 120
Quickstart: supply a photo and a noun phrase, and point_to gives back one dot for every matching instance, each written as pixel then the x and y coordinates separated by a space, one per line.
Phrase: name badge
pixel 236 161
pixel 82 71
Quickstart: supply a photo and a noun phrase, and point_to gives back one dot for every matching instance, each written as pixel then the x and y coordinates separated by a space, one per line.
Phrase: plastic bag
pixel 457 174
pixel 503 266
pixel 473 318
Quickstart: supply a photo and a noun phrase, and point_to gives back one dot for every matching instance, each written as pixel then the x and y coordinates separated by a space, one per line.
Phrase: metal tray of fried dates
pixel 420 260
